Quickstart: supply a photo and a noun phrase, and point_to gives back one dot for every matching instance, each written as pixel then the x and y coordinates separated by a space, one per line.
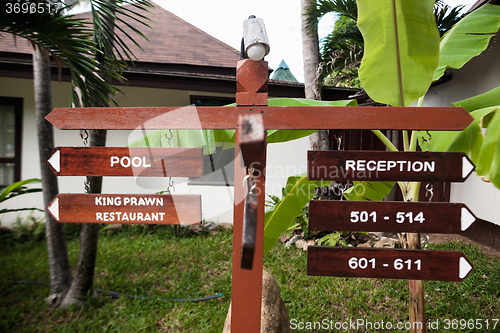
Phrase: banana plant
pixel 474 32
pixel 297 193
pixel 480 139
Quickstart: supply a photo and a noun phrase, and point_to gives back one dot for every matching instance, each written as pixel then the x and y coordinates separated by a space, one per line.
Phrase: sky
pixel 223 19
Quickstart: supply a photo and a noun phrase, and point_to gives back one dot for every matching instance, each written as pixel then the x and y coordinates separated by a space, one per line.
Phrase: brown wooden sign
pixel 123 161
pixel 275 117
pixel 387 216
pixel 126 208
pixel 387 263
pixel 387 166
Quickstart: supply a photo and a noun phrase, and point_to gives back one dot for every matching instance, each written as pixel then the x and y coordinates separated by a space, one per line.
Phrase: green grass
pixel 158 265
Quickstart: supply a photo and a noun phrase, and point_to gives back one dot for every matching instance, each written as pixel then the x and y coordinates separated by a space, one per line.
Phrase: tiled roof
pixel 172 41
pixel 283 73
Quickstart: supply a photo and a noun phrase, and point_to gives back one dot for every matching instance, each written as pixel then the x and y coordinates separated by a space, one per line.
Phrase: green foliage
pixel 401 49
pixel 330 240
pixel 104 22
pixel 298 192
pixel 16 189
pixel 343 48
pixel 368 191
pixel 341 54
pixel 303 221
pixel 480 139
pixel 488 99
pixel 30 229
pixel 468 38
pixel 446 16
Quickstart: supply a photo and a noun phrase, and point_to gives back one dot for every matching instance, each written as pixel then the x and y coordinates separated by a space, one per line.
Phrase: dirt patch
pixel 444 238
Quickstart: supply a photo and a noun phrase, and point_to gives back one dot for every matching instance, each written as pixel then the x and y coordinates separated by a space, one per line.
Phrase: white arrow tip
pixel 55 160
pixel 464 267
pixel 53 208
pixel 467 219
pixel 467 167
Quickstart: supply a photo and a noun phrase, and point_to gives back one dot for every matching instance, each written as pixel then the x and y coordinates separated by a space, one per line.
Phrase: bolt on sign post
pixel 251 117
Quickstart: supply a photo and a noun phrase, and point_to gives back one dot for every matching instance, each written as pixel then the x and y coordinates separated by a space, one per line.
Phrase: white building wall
pixel 284 159
pixel 478 76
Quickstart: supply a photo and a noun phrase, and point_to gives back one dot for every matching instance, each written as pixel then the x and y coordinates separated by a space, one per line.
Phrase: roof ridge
pixel 218 41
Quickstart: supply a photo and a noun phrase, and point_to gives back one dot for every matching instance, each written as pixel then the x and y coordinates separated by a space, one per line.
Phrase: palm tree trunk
pixel 89 235
pixel 310 50
pixel 60 272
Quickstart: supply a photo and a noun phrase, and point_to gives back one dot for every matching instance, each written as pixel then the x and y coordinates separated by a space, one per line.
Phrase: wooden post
pixel 416 293
pixel 246 294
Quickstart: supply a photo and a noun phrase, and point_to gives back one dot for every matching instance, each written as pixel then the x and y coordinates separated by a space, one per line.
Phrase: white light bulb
pixel 256 52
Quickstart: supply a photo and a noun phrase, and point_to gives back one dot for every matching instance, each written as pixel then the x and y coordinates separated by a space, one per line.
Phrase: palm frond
pixel 346 8
pixel 69 41
pixel 104 15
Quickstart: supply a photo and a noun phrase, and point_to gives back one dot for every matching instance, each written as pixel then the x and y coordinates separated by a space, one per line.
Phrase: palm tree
pixel 310 49
pixel 93 56
pixel 343 48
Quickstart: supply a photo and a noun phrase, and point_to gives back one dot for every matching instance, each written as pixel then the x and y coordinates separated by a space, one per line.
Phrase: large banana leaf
pixel 368 191
pixel 401 49
pixel 490 98
pixel 483 149
pixel 276 136
pixel 468 38
pixel 210 139
pixel 488 162
pixel 298 191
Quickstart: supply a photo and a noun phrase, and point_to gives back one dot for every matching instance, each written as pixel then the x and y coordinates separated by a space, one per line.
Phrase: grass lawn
pixel 159 266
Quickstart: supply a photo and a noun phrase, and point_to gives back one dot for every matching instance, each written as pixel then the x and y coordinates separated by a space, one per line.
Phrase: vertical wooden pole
pixel 416 292
pixel 246 294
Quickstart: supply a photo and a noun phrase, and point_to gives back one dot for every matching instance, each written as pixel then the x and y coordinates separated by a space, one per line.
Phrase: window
pixel 11 114
pixel 218 168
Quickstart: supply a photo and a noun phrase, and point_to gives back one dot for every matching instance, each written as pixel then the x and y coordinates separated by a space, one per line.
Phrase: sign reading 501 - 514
pixel 389 216
pixel 387 166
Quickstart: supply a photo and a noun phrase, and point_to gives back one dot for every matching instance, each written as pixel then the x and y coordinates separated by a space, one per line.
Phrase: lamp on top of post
pixel 255 44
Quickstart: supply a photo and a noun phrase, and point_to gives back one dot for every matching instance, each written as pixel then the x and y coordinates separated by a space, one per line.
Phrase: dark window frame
pixel 208 179
pixel 17 102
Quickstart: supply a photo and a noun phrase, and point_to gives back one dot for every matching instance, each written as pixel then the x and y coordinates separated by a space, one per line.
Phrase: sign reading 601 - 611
pixel 387 263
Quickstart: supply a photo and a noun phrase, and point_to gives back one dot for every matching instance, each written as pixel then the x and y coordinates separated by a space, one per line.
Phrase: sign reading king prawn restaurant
pixel 385 166
pixel 126 208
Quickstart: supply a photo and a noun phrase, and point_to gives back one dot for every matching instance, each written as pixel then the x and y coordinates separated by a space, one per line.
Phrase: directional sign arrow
pixel 126 208
pixel 387 263
pixel 275 117
pixel 389 216
pixel 387 166
pixel 122 161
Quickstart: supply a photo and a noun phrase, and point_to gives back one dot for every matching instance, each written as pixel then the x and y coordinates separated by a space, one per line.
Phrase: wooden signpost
pixel 251 100
pixel 386 165
pixel 414 265
pixel 389 216
pixel 126 162
pixel 275 117
pixel 387 263
pixel 126 208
